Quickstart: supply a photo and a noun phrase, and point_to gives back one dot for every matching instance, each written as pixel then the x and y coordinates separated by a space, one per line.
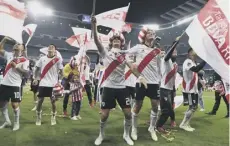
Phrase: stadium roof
pixel 141 11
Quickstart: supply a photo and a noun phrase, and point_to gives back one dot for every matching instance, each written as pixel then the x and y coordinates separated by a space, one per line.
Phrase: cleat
pixel 99 140
pixel 16 126
pixel 134 134
pixel 5 125
pixel 153 134
pixel 128 140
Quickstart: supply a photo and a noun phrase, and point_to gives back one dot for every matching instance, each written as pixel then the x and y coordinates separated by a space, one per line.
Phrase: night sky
pixel 141 11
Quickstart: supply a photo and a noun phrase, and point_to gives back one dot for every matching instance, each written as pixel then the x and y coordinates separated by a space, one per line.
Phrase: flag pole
pixel 93 13
pixel 28 40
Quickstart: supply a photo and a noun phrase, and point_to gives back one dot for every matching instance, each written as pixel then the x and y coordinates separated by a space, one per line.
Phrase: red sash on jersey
pixel 127 74
pixel 145 61
pixel 17 61
pixel 112 66
pixel 171 74
pixel 48 66
pixel 192 83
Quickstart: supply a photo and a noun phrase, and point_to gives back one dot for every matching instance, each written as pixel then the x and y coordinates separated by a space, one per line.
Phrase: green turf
pixel 210 130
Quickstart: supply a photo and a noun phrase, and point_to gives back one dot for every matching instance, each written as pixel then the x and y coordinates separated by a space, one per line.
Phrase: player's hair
pixel 189 50
pixel 142 34
pixel 119 36
pixel 24 46
pixel 54 46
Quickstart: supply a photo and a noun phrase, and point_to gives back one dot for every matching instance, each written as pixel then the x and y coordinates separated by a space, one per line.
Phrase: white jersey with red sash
pixel 114 74
pixel 148 62
pixel 11 77
pixel 190 78
pixel 49 70
pixel 130 78
pixel 168 74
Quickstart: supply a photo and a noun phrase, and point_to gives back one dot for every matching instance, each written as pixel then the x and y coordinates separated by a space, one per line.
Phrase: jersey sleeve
pixel 188 64
pixel 39 63
pixel 134 50
pixel 59 64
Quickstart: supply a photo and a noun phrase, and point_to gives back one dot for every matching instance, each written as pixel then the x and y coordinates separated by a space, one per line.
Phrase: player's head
pixel 18 49
pixel 191 54
pixel 73 63
pixel 52 50
pixel 147 36
pixel 174 55
pixel 117 40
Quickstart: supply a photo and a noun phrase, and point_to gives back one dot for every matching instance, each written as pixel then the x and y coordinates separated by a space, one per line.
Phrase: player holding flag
pixel 168 76
pixel 114 82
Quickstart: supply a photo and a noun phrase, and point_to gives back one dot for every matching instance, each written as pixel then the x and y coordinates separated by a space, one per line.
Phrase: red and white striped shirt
pixel 76 94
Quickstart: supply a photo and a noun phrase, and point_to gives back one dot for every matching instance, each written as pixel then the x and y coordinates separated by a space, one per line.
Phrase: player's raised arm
pixel 2 43
pixel 171 50
pixel 100 47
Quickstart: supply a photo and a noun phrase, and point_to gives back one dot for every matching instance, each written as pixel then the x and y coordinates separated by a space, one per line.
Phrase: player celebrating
pixel 17 67
pixel 168 76
pixel 113 82
pixel 50 67
pixel 148 64
pixel 190 88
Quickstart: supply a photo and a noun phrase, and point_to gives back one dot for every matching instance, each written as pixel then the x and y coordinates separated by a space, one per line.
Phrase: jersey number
pixel 127 101
pixel 17 95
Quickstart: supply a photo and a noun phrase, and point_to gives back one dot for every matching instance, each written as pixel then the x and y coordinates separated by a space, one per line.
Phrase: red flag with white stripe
pixel 12 17
pixel 209 36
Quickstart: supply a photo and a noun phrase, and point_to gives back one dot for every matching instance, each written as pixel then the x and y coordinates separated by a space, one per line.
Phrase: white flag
pixel 82 36
pixel 30 29
pixel 12 16
pixel 209 36
pixel 114 19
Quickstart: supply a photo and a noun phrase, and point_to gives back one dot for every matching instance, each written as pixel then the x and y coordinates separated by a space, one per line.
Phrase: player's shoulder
pixel 188 61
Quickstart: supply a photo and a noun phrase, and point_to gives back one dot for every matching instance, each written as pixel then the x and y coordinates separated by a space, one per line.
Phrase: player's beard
pixel 173 58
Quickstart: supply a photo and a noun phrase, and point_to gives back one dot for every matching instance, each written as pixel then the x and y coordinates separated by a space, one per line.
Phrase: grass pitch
pixel 210 130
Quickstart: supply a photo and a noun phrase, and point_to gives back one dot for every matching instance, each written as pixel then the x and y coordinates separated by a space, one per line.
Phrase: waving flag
pixel 209 36
pixel 114 19
pixel 30 29
pixel 82 36
pixel 12 17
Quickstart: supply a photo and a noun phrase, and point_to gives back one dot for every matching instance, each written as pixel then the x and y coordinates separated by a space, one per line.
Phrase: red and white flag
pixel 209 36
pixel 114 19
pixel 30 29
pixel 82 37
pixel 12 17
